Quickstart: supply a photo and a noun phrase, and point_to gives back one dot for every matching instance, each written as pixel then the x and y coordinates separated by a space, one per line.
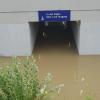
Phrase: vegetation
pixel 88 98
pixel 20 81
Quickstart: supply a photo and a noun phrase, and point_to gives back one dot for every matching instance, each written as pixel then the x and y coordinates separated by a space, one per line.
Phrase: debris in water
pixel 81 92
pixel 82 79
pixel 44 35
pixel 69 44
pixel 39 57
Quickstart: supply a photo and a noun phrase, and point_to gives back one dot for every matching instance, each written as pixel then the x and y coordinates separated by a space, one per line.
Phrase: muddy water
pixel 80 74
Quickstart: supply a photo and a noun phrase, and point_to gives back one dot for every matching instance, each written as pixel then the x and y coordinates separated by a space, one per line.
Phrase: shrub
pixel 20 81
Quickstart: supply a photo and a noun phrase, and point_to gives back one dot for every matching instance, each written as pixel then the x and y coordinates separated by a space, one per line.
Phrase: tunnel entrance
pixel 57 35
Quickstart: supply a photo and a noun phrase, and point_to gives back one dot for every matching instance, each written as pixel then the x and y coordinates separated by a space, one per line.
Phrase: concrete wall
pixel 16 39
pixel 89 38
pixel 86 16
pixel 34 31
pixel 16 24
pixel 76 31
pixel 35 5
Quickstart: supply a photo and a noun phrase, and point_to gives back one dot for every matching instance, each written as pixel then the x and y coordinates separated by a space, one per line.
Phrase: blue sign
pixel 54 15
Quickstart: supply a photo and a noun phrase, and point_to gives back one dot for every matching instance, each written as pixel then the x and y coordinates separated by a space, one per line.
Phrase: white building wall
pixel 87 11
pixel 35 5
pixel 89 39
pixel 16 39
pixel 76 31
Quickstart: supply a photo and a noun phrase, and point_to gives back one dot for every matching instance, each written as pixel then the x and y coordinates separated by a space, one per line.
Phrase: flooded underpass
pixel 55 35
pixel 55 52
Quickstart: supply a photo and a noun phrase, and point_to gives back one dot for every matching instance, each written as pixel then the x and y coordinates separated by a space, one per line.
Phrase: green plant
pixel 88 98
pixel 20 81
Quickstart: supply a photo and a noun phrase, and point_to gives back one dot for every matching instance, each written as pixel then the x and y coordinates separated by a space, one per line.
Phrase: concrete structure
pixel 17 39
pixel 15 15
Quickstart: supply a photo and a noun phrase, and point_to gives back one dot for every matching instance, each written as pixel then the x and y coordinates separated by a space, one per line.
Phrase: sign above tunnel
pixel 54 15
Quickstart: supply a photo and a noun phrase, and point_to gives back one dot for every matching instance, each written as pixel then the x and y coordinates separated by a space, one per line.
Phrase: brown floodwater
pixel 79 74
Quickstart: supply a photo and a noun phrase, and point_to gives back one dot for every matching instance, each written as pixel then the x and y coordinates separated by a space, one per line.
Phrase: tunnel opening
pixel 57 35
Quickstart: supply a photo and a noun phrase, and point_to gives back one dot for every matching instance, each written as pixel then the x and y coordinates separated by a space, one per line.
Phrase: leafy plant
pixel 20 81
pixel 88 98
